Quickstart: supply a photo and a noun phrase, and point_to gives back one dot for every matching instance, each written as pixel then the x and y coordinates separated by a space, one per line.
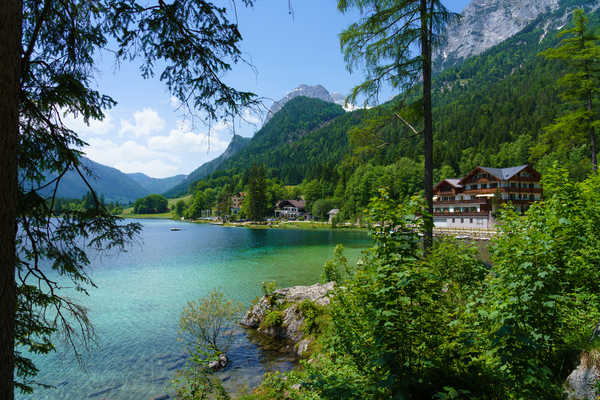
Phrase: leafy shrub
pixel 312 316
pixel 206 325
pixel 273 319
pixel 334 269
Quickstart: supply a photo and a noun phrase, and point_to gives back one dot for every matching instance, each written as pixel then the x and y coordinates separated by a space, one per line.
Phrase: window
pixel 470 220
pixel 462 220
pixel 453 220
pixel 531 197
pixel 531 185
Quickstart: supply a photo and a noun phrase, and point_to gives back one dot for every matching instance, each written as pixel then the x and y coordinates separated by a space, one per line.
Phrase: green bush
pixel 273 319
pixel 312 317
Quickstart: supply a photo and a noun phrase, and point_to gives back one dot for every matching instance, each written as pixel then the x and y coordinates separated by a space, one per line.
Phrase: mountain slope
pixel 156 185
pixel 108 182
pixel 491 108
pixel 236 145
pixel 291 124
pixel 485 24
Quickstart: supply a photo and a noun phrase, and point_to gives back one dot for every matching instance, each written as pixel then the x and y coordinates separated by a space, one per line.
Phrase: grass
pixel 167 215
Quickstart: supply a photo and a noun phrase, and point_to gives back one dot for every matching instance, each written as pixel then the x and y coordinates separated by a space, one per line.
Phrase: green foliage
pixel 206 325
pixel 196 206
pixel 273 319
pixel 195 382
pixel 580 50
pixel 151 204
pixel 444 326
pixel 321 208
pixel 256 201
pixel 179 208
pixel 336 269
pixel 313 314
pixel 541 303
pixel 268 288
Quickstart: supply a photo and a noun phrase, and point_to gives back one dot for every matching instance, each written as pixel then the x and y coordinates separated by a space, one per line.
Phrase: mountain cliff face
pixel 485 23
pixel 315 92
pixel 237 144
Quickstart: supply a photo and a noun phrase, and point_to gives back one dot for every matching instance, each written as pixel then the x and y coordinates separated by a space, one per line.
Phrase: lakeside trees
pixel 404 324
pixel 47 61
pixel 383 40
pixel 151 204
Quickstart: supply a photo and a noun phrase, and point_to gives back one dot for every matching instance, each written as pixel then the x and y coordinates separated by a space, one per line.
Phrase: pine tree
pixel 580 50
pixel 257 193
pixel 384 41
pixel 47 55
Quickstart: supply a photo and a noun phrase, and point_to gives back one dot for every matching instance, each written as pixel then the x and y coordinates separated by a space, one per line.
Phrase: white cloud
pixel 93 127
pixel 184 140
pixel 146 122
pixel 132 157
pixel 250 117
pixel 174 102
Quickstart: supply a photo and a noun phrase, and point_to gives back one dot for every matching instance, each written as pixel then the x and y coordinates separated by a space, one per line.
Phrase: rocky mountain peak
pixel 485 23
pixel 317 92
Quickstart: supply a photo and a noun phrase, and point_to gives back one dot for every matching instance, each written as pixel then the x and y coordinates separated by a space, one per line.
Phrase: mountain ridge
pixel 237 144
pixel 485 24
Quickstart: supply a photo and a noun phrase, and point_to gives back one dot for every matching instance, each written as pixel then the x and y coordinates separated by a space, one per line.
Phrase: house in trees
pixel 236 202
pixel 470 202
pixel 290 209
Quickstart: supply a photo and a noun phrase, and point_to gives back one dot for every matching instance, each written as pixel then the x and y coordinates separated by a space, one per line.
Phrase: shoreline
pixel 295 225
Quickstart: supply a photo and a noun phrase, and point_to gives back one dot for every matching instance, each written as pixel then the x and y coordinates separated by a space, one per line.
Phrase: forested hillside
pixel 237 143
pixel 490 110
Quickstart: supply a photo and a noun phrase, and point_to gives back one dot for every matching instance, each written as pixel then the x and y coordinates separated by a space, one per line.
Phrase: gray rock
pixel 303 346
pixel 582 382
pixel 486 23
pixel 162 397
pixel 292 318
pixel 220 363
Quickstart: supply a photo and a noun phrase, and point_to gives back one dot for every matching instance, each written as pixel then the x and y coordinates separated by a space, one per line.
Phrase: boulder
pixel 292 318
pixel 220 363
pixel 582 382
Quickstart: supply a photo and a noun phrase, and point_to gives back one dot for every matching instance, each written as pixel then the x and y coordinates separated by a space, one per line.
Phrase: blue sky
pixel 145 133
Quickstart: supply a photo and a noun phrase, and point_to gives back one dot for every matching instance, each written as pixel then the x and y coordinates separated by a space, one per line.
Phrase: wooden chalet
pixel 470 202
pixel 290 209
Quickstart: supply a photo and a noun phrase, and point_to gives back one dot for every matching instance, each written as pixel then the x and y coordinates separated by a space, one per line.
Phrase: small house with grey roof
pixel 470 202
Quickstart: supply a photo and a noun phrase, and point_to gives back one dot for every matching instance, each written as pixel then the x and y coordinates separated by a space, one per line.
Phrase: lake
pixel 141 294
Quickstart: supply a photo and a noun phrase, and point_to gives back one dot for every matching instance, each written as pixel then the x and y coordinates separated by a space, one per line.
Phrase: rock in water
pixel 292 317
pixel 220 363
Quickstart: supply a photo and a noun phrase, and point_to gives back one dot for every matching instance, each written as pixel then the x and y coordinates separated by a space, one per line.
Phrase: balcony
pixel 472 201
pixel 461 214
pixel 502 190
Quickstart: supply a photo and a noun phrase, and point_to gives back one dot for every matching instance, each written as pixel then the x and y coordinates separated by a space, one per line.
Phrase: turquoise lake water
pixel 141 294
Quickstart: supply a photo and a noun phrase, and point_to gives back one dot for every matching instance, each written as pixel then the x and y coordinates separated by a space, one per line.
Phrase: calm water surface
pixel 141 293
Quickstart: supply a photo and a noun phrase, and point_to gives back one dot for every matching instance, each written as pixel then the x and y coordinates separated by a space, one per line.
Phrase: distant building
pixel 332 214
pixel 236 202
pixel 290 209
pixel 469 202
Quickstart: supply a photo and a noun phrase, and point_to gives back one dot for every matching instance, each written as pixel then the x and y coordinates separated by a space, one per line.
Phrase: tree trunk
pixel 428 128
pixel 592 136
pixel 10 32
